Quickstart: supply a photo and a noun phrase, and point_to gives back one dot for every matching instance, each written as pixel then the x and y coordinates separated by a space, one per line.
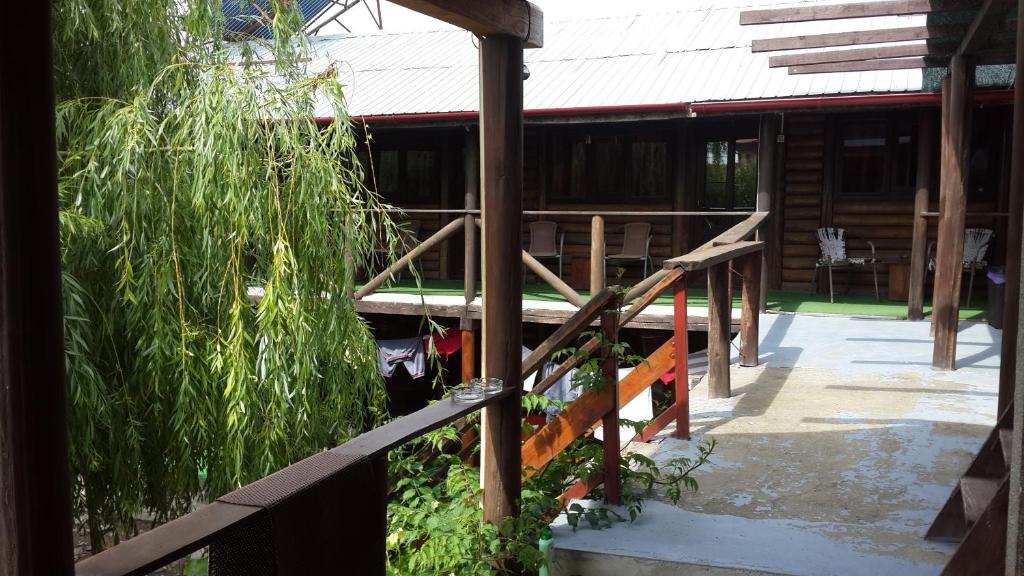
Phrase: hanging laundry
pixel 562 390
pixel 406 351
pixel 446 343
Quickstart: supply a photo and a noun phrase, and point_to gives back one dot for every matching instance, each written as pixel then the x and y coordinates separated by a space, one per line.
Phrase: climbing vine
pixel 210 229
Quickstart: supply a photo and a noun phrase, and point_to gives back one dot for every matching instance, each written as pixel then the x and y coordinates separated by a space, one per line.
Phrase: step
pixel 1006 440
pixel 977 492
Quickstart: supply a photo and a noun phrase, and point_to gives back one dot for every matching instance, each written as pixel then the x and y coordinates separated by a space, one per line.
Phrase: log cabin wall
pixel 816 194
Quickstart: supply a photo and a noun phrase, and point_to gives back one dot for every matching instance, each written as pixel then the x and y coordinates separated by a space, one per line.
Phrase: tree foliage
pixel 210 231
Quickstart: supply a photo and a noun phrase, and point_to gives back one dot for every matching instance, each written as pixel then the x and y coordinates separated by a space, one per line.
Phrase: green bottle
pixel 545 548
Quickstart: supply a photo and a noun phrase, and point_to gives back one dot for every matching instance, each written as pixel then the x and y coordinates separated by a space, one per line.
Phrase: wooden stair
pixel 975 513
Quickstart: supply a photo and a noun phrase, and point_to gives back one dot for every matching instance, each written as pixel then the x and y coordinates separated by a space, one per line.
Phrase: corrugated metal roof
pixel 699 53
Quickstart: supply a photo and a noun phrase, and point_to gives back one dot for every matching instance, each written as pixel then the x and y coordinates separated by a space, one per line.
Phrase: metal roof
pixel 250 17
pixel 698 53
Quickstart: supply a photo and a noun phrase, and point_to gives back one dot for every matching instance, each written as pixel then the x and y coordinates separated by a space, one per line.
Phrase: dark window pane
pixel 650 169
pixel 862 158
pixel 745 175
pixel 387 174
pixel 421 174
pixel 716 174
pixel 904 158
pixel 578 173
pixel 606 169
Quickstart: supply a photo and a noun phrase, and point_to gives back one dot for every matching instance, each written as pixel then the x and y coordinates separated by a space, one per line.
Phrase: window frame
pixel 730 138
pixel 403 146
pixel 892 122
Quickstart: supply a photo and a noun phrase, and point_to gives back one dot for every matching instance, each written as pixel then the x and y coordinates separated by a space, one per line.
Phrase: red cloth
pixel 669 376
pixel 447 343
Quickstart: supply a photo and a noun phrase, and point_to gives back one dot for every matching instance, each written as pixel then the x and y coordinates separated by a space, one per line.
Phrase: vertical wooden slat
pixel 501 167
pixel 1011 308
pixel 444 143
pixel 767 146
pixel 472 170
pixel 750 318
pixel 919 247
pixel 1015 370
pixel 719 323
pixel 35 492
pixel 610 421
pixel 680 344
pixel 596 255
pixel 953 205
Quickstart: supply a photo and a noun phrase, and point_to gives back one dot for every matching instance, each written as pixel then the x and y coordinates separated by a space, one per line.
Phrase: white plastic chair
pixel 832 244
pixel 976 242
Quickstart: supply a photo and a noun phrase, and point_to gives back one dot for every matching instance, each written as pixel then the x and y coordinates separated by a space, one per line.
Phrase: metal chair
pixel 832 243
pixel 543 235
pixel 976 242
pixel 636 246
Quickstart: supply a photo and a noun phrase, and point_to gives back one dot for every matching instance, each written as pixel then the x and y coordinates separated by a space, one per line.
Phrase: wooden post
pixel 768 133
pixel 753 283
pixel 35 490
pixel 953 205
pixel 719 323
pixel 610 421
pixel 679 178
pixel 501 168
pixel 682 383
pixel 1015 516
pixel 472 169
pixel 919 248
pixel 1011 307
pixel 597 272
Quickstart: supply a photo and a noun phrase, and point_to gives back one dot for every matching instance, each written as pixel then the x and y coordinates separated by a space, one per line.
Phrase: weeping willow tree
pixel 210 233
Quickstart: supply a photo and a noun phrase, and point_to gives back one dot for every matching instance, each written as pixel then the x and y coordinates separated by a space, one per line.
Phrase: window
pixel 606 166
pixel 876 157
pixel 407 175
pixel 730 174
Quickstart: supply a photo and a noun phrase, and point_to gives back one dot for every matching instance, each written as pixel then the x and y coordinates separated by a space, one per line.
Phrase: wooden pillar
pixel 597 272
pixel 501 168
pixel 1011 307
pixel 1015 516
pixel 681 353
pixel 953 206
pixel 610 421
pixel 444 201
pixel 767 144
pixel 753 283
pixel 919 248
pixel 35 491
pixel 681 151
pixel 719 323
pixel 472 170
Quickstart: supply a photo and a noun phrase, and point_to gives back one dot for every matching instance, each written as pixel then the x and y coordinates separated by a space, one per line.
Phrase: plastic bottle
pixel 546 542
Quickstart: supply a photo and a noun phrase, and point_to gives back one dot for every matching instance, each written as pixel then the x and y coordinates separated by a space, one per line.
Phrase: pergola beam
pixel 865 65
pixel 854 54
pixel 856 10
pixel 835 39
pixel 516 18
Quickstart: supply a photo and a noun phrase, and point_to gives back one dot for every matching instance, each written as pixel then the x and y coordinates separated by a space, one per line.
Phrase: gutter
pixel 472 116
pixel 852 100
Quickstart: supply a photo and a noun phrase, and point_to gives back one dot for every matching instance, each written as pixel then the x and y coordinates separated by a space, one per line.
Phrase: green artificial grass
pixel 778 301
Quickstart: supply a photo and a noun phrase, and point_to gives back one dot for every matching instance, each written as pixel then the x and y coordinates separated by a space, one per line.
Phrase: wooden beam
pixel 436 239
pixel 680 354
pixel 501 168
pixel 868 65
pixel 472 175
pixel 919 244
pixel 855 54
pixel 597 278
pixel 989 17
pixel 719 324
pixel 767 148
pixel 708 257
pixel 1012 371
pixel 516 18
pixel 552 279
pixel 854 10
pixel 750 317
pixel 833 39
pixel 35 489
pixel 610 421
pixel 953 205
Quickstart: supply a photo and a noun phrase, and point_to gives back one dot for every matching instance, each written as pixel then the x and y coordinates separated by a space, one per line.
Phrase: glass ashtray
pixel 489 385
pixel 467 393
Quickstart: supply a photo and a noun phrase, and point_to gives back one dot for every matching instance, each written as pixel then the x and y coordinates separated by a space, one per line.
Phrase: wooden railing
pixel 226 520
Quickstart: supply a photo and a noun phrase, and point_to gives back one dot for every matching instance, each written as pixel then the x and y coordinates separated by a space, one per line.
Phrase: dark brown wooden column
pixel 719 324
pixel 35 492
pixel 767 146
pixel 953 206
pixel 753 283
pixel 501 168
pixel 471 167
pixel 919 247
pixel 1011 307
pixel 1015 516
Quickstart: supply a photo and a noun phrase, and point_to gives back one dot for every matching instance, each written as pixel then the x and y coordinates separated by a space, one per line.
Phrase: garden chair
pixel 543 246
pixel 832 244
pixel 976 241
pixel 636 246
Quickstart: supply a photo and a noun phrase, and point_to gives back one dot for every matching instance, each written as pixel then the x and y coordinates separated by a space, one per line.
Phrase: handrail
pixel 703 258
pixel 476 211
pixel 182 536
pixel 569 330
pixel 434 239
